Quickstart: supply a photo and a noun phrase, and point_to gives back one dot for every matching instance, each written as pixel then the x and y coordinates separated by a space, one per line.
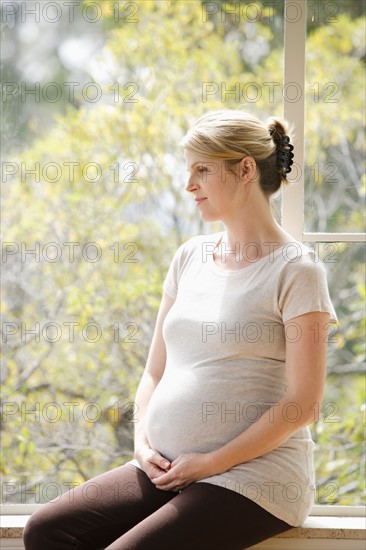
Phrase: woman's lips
pixel 198 201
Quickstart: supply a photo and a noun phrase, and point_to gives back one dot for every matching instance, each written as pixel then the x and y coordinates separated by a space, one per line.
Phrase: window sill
pixel 318 532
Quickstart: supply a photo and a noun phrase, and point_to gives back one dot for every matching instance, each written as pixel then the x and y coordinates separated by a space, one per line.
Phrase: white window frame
pixel 293 195
pixel 292 201
pixel 294 71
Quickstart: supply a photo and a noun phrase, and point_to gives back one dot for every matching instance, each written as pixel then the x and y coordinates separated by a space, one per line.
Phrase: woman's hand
pixel 152 462
pixel 183 471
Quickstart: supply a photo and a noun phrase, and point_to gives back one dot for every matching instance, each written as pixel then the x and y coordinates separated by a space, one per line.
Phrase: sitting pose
pixel 223 455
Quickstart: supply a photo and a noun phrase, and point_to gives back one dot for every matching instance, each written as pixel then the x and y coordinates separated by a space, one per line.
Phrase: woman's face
pixel 215 189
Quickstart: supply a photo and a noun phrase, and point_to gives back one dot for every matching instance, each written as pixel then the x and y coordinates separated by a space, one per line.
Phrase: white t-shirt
pixel 225 366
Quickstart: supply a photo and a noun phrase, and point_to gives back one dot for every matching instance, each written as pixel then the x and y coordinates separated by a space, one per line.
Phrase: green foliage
pixel 67 395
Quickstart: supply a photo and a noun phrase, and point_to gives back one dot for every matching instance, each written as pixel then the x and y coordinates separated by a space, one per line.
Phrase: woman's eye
pixel 202 170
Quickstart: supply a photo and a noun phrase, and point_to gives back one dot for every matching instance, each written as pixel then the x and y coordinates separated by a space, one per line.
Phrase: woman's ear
pixel 247 168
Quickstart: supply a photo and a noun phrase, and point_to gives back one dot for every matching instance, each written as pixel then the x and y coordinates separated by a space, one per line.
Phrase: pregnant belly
pixel 186 414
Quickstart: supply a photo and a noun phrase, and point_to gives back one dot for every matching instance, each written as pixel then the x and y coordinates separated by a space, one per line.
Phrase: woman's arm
pixel 152 374
pixel 306 371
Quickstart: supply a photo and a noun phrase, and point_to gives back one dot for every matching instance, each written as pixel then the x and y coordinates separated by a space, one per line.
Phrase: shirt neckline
pixel 230 272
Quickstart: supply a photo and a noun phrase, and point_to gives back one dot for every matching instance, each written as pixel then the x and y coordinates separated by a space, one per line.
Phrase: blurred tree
pixel 111 181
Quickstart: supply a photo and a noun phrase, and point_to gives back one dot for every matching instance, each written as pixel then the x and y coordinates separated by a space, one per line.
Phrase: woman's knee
pixel 37 529
pixel 34 530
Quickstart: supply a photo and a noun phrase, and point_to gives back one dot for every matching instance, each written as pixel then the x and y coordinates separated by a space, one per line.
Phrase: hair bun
pixel 284 148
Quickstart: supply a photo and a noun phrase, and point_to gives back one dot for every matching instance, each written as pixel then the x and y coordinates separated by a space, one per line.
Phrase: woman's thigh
pixel 202 517
pixel 99 511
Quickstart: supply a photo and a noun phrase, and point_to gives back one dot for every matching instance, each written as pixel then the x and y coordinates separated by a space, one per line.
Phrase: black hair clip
pixel 285 154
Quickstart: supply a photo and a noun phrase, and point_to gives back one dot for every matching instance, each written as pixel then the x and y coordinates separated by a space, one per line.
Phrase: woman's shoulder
pixel 200 242
pixel 190 251
pixel 296 254
pixel 301 267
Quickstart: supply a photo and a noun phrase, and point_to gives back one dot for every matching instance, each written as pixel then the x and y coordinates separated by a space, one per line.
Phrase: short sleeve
pixel 170 284
pixel 304 288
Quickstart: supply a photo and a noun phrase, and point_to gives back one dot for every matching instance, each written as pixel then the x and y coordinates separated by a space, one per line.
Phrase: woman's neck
pixel 250 233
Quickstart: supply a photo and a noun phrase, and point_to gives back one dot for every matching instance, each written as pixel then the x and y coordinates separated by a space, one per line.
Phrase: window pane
pixel 94 207
pixel 339 451
pixel 335 115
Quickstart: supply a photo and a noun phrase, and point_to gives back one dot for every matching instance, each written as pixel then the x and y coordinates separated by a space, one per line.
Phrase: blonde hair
pixel 230 135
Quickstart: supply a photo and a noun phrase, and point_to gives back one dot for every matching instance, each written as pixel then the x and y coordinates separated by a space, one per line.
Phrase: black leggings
pixel 123 510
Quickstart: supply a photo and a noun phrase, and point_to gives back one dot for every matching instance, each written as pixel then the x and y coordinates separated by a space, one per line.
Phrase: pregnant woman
pixel 223 455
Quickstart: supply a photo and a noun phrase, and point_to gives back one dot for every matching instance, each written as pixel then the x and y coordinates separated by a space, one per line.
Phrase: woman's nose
pixel 191 185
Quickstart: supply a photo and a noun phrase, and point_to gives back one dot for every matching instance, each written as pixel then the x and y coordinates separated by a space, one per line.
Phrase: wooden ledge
pixel 318 528
pixel 325 527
